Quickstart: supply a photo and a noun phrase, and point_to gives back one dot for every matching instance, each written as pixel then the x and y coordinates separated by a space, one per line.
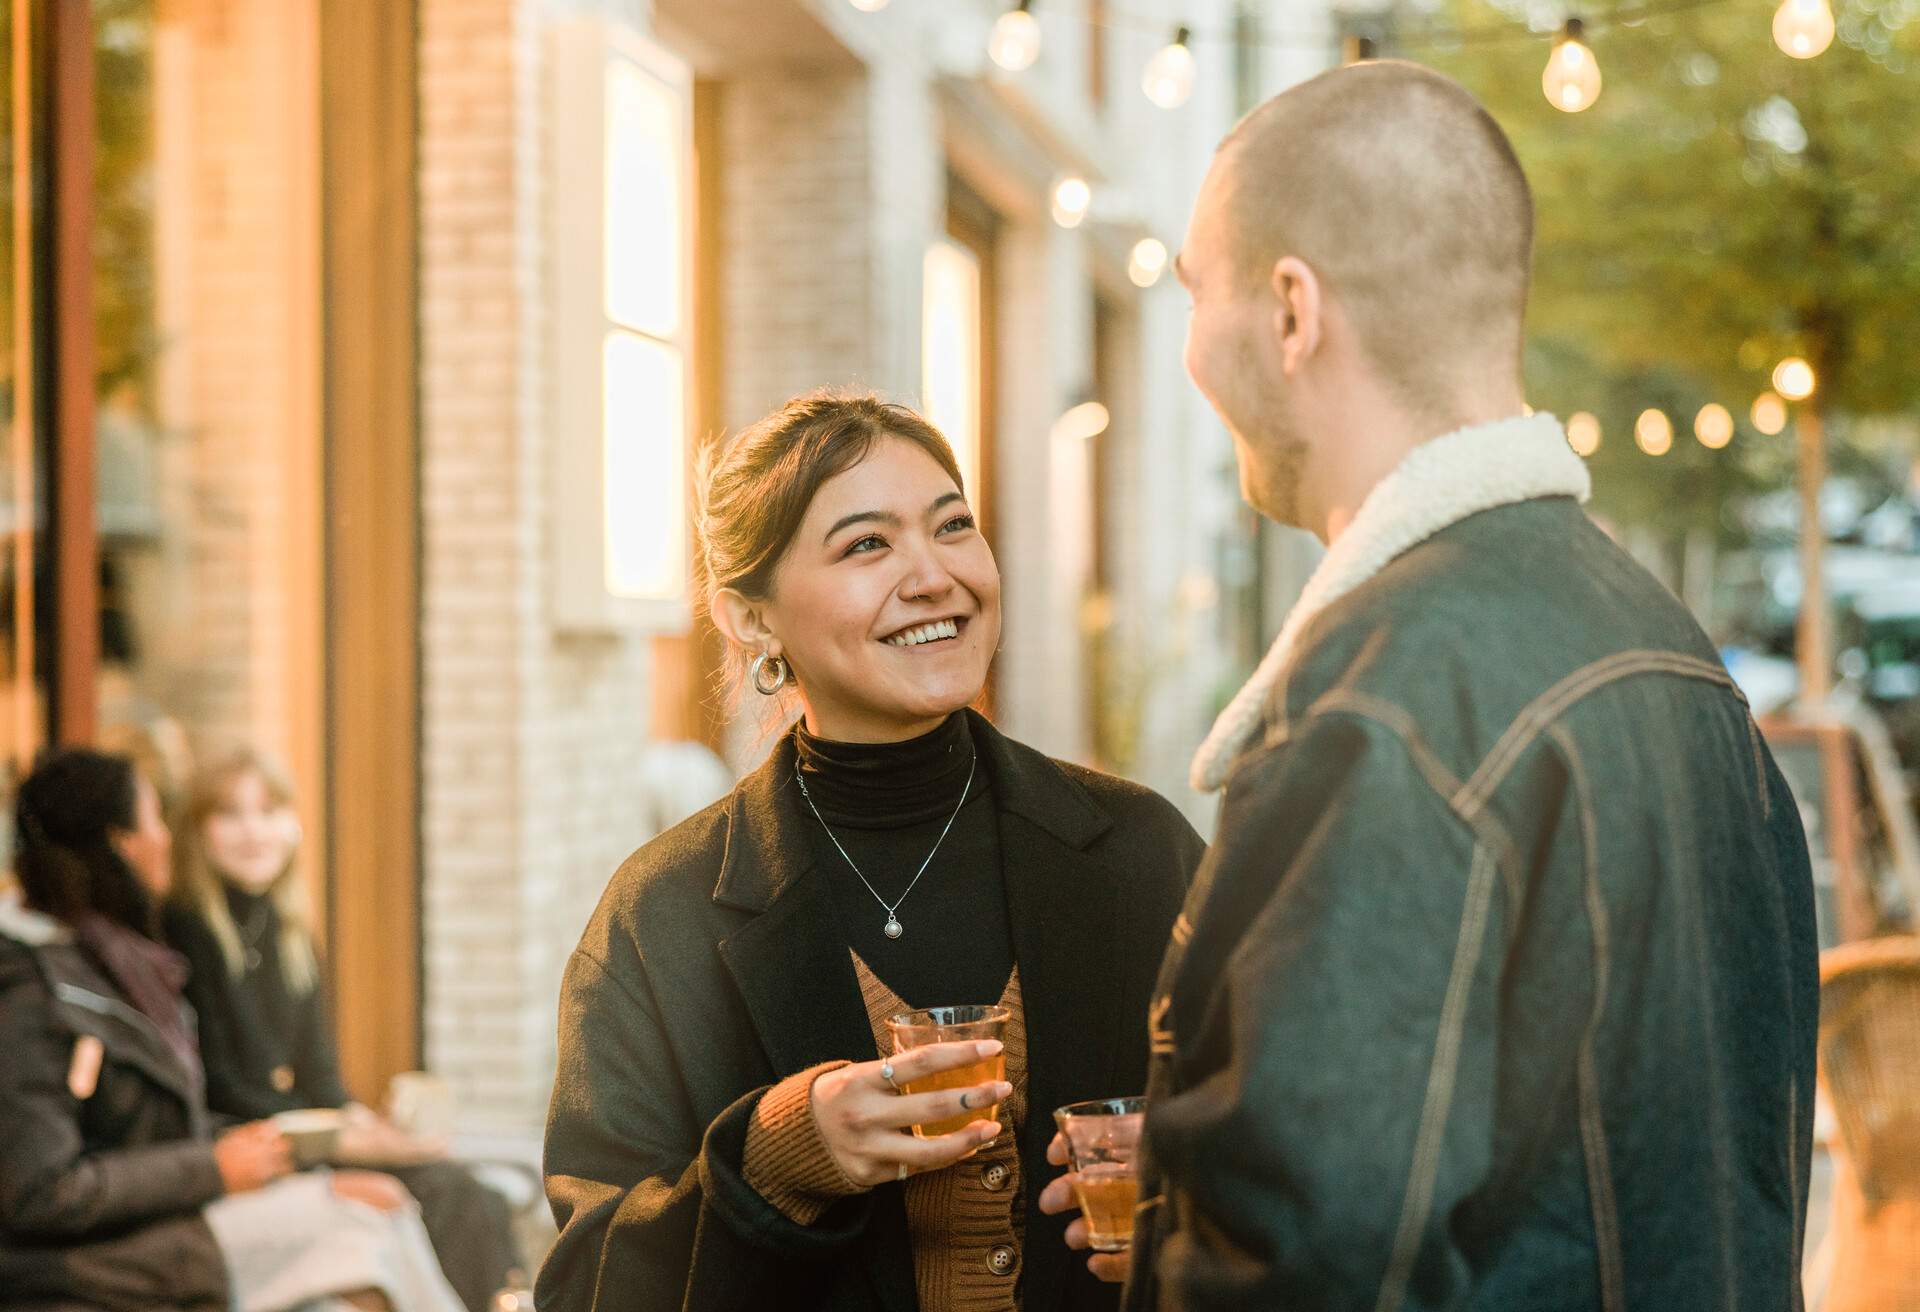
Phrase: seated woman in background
pixel 239 915
pixel 115 1193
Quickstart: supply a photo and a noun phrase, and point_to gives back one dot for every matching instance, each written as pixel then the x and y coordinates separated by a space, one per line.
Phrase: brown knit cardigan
pixel 966 1222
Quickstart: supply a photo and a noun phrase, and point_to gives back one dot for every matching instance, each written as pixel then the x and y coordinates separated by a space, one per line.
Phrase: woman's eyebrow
pixel 946 500
pixel 864 517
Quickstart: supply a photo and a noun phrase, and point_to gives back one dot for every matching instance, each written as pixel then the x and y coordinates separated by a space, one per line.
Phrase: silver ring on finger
pixel 886 1073
pixel 901 1174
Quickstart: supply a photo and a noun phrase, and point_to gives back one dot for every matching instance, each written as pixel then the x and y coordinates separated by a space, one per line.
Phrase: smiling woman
pixel 738 1138
pixel 860 508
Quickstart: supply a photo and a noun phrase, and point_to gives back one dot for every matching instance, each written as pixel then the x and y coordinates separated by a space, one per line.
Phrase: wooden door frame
pixel 368 116
pixel 74 542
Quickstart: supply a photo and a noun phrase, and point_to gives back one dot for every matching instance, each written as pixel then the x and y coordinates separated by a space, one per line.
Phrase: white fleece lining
pixel 1440 483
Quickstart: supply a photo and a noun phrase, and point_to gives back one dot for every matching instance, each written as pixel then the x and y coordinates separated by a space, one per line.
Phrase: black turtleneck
pixel 887 803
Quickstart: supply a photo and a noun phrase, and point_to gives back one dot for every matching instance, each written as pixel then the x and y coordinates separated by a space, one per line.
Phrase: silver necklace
pixel 893 928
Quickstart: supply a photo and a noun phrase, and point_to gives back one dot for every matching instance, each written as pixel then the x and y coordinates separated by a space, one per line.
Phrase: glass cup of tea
pixel 916 1029
pixel 1102 1138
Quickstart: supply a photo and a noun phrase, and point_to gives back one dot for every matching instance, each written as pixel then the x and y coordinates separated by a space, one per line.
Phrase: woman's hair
pixel 755 488
pixel 201 889
pixel 65 814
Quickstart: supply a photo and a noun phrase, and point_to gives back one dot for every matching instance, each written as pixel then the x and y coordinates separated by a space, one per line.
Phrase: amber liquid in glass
pixel 981 1072
pixel 1108 1194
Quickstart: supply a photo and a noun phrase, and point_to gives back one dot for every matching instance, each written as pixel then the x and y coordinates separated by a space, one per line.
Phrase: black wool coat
pixel 715 967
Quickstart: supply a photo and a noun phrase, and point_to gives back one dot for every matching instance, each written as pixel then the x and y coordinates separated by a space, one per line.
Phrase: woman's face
pixel 250 837
pixel 887 603
pixel 148 846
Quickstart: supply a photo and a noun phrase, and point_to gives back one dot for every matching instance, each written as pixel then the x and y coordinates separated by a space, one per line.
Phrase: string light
pixel 1583 433
pixel 1082 423
pixel 1015 42
pixel 1803 28
pixel 1168 80
pixel 1713 426
pixel 1769 414
pixel 1793 378
pixel 1572 76
pixel 1653 431
pixel 1147 261
pixel 1072 198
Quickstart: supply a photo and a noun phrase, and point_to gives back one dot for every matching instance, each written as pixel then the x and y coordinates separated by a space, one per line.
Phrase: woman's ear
pixel 742 622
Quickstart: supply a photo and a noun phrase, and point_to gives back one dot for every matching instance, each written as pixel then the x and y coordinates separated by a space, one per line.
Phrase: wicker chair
pixel 1870 1071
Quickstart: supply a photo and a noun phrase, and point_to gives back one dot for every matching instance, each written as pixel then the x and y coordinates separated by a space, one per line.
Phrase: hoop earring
pixel 761 665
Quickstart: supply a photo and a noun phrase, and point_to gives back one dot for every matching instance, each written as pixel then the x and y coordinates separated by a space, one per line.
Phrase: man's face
pixel 1233 353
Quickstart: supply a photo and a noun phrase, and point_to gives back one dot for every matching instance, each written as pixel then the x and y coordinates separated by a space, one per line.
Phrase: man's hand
pixel 1057 1197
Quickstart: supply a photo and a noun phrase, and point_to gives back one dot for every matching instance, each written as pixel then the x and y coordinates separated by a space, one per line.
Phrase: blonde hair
pixel 202 889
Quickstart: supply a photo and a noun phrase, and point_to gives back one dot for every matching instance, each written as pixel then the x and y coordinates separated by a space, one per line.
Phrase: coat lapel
pixel 795 973
pixel 1065 909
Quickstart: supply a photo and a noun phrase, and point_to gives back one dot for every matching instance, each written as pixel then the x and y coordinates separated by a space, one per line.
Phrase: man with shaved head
pixel 1498 989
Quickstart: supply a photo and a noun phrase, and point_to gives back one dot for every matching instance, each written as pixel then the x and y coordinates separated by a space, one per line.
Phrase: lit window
pixel 950 352
pixel 622 153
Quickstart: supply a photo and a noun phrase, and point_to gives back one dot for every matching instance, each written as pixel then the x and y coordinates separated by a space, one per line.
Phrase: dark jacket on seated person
pixel 105 1152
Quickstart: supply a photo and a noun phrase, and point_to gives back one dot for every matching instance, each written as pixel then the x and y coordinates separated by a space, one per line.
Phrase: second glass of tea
pixel 1102 1138
pixel 916 1029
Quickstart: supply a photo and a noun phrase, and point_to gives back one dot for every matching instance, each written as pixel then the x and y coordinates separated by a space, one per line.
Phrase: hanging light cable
pixel 1015 42
pixel 1168 80
pixel 1572 79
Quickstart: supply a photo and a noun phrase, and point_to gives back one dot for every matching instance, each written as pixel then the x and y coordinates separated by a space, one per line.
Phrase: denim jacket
pixel 1499 987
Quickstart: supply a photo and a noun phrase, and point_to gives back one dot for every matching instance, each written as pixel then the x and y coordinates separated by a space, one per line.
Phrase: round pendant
pixel 893 928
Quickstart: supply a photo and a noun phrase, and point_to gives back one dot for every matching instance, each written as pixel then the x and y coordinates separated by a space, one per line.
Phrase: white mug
pixel 420 1104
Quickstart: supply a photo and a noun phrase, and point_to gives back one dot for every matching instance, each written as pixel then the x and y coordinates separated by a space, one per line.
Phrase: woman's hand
pixel 1058 1197
pixel 381 1192
pixel 865 1122
pixel 252 1155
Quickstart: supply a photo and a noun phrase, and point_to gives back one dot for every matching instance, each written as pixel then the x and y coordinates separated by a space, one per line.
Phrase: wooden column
pixel 370 297
pixel 72 477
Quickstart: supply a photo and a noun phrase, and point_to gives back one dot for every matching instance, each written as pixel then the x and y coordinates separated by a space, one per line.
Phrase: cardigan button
pixel 283 1079
pixel 1001 1260
pixel 995 1177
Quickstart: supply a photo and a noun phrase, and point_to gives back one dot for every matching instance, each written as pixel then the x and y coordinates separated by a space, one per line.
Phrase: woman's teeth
pixel 925 633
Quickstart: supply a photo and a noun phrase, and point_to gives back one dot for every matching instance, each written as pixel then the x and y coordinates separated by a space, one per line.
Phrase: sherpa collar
pixel 1440 482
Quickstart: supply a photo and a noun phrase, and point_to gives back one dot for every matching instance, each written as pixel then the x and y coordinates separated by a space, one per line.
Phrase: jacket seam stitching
pixel 1442 1073
pixel 1485 827
pixel 1550 705
pixel 1760 771
pixel 1593 1130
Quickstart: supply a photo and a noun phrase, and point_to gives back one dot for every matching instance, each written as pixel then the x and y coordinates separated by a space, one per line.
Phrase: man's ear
pixel 1297 316
pixel 742 622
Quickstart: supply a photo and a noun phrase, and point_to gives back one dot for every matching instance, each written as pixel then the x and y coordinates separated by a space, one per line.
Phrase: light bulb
pixel 1793 378
pixel 868 6
pixel 1803 28
pixel 1168 80
pixel 1583 433
pixel 1769 414
pixel 1015 43
pixel 1072 197
pixel 1713 426
pixel 1654 432
pixel 1082 423
pixel 1147 262
pixel 1572 79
